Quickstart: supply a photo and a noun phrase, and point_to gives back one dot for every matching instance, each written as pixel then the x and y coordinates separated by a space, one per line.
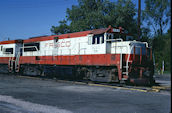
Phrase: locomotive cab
pixel 141 64
pixel 136 64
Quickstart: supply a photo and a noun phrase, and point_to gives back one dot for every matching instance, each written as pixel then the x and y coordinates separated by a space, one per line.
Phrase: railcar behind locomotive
pixel 106 55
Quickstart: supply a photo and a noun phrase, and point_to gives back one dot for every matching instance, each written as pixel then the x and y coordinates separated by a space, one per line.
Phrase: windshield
pixel 138 48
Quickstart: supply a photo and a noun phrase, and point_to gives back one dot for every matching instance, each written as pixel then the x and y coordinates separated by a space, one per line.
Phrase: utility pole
pixel 138 24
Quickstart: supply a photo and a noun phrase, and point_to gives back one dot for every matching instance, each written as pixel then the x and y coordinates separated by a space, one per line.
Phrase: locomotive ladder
pixel 10 64
pixel 127 64
pixel 126 67
pixel 17 64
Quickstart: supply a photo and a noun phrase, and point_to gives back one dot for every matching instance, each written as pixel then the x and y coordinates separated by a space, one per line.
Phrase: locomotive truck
pixel 105 55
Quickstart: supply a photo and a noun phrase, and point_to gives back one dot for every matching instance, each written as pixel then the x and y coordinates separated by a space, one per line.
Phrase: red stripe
pixel 4 60
pixel 9 42
pixel 39 39
pixel 102 59
pixel 69 35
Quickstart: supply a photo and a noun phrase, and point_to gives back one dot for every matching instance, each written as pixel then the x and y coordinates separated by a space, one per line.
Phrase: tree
pixel 62 28
pixel 157 15
pixel 167 50
pixel 145 35
pixel 162 49
pixel 93 14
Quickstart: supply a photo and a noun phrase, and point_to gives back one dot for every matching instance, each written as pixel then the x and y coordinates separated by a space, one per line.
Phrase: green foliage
pixel 93 14
pixel 61 29
pixel 157 15
pixel 146 35
pixel 162 50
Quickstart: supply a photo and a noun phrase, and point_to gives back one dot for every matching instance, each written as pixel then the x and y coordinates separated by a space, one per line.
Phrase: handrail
pixel 150 52
pixel 17 62
pixel 119 39
pixel 131 51
pixel 146 44
pixel 129 58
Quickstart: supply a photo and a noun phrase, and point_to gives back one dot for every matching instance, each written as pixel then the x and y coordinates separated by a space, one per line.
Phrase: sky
pixel 21 19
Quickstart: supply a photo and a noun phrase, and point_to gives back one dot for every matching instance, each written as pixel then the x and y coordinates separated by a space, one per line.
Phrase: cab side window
pixel 8 51
pixel 98 39
pixel 102 39
pixel 93 41
pixel 31 47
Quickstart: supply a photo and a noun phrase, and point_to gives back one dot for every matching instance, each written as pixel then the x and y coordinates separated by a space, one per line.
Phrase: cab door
pixel 109 38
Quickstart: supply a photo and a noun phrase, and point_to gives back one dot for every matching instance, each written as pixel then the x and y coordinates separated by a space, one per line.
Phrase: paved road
pixel 164 80
pixel 26 95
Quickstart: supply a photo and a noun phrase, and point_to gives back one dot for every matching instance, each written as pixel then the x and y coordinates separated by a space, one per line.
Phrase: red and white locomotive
pixel 105 55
